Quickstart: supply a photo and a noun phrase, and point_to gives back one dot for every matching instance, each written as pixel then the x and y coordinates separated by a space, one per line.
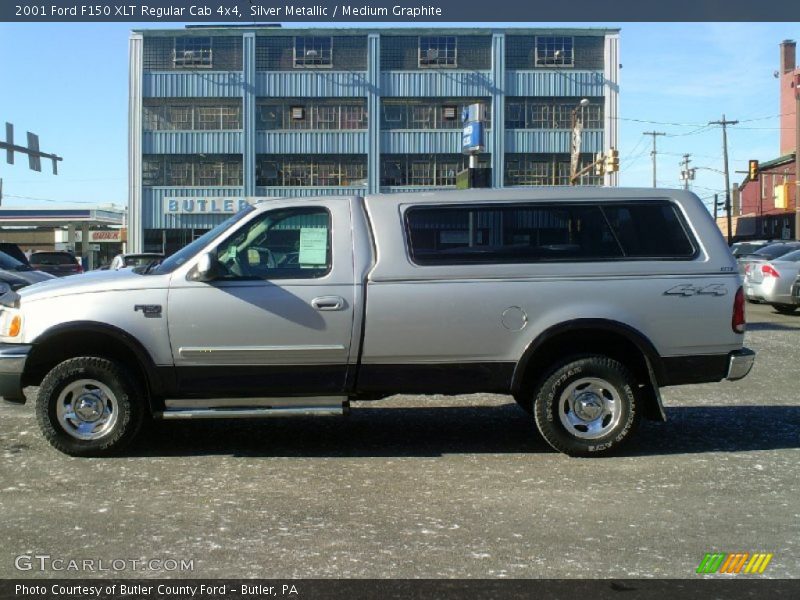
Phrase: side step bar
pixel 252 413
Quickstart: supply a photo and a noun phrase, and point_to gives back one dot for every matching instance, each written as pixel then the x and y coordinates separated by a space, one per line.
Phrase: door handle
pixel 328 303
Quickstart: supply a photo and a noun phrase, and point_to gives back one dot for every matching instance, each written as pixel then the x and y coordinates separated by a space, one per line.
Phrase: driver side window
pixel 292 243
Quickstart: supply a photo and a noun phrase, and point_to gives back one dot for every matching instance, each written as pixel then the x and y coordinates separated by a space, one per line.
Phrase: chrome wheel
pixel 589 408
pixel 87 409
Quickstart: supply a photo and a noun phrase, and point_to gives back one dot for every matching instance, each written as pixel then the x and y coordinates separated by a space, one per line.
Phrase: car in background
pixel 18 274
pixel 59 263
pixel 743 248
pixel 14 251
pixel 772 282
pixel 765 254
pixel 124 261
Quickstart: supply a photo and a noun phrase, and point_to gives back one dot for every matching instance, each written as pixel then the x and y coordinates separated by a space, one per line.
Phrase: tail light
pixel 738 320
pixel 747 268
pixel 78 269
pixel 769 271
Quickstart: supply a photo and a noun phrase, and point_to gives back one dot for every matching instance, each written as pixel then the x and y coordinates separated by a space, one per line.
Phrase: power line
pixel 49 199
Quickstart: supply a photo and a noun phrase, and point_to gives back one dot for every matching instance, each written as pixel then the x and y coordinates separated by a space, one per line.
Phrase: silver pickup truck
pixel 580 302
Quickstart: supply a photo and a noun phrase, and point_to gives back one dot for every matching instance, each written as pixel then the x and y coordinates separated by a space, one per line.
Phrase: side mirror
pixel 207 268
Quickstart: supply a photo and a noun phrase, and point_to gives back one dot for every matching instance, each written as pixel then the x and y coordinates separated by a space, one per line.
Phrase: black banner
pixel 249 12
pixel 732 588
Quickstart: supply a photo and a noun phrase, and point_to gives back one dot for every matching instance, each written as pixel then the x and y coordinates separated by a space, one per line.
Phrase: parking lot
pixel 428 487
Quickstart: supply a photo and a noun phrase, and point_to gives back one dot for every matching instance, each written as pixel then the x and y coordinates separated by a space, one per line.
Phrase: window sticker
pixel 313 246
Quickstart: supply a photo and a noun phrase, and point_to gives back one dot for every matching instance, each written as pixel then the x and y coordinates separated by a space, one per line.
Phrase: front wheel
pixel 89 406
pixel 587 406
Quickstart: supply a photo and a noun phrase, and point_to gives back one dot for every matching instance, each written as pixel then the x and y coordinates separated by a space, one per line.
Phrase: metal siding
pixel 249 114
pixel 192 142
pixel 436 141
pixel 135 235
pixel 555 83
pixel 551 141
pixel 212 84
pixel 611 108
pixel 311 142
pixel 289 191
pixel 496 138
pixel 153 216
pixel 285 84
pixel 442 83
pixel 373 110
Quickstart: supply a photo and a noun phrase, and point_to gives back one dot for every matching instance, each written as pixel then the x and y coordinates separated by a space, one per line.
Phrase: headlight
pixel 10 324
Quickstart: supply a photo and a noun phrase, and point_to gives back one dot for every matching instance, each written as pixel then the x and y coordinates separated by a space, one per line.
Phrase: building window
pixel 529 113
pixel 545 169
pixel 526 170
pixel 554 51
pixel 307 115
pixel 311 171
pixel 437 51
pixel 192 171
pixel 421 114
pixel 313 52
pixel 182 117
pixel 195 52
pixel 423 170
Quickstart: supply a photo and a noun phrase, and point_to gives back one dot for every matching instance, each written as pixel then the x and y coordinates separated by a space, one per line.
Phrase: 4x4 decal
pixel 687 289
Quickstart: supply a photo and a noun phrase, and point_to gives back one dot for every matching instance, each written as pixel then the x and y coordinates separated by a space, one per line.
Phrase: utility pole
pixel 687 174
pixel 724 123
pixel 653 153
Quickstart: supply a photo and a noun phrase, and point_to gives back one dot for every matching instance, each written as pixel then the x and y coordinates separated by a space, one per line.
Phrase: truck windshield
pixel 187 252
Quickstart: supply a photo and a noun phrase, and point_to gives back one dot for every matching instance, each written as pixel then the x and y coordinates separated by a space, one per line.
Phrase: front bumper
pixel 12 365
pixel 739 364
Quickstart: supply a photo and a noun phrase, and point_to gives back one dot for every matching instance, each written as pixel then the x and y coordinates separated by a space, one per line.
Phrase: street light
pixel 577 128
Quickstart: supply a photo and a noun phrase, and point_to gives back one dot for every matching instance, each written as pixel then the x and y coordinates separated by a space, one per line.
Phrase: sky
pixel 68 83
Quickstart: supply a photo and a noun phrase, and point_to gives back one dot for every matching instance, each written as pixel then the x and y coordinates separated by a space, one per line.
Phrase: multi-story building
pixel 768 203
pixel 219 115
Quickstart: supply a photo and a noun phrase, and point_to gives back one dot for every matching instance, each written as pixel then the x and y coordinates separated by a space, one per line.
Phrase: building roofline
pixel 389 31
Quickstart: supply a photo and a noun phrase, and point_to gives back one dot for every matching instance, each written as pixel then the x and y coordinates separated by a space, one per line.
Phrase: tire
pixel 111 407
pixel 785 309
pixel 605 389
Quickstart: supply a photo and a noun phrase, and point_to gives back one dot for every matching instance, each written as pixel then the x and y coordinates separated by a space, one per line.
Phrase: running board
pixel 251 408
pixel 252 413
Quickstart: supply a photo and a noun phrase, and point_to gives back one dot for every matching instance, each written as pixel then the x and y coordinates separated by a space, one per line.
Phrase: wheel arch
pixel 603 336
pixel 91 338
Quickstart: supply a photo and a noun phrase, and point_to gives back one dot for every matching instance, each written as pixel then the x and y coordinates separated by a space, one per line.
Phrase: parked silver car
pixel 772 281
pixel 765 254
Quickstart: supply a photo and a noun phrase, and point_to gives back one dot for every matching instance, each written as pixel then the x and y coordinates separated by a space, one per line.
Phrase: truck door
pixel 279 318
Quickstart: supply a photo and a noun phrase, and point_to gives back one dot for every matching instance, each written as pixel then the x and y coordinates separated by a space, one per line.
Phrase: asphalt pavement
pixel 422 487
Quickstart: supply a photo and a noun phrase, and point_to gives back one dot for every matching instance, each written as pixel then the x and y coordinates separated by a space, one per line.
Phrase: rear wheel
pixel 89 406
pixel 785 309
pixel 587 406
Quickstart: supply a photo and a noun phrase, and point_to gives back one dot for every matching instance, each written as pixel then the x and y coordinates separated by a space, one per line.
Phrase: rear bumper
pixel 706 368
pixel 12 365
pixel 740 363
